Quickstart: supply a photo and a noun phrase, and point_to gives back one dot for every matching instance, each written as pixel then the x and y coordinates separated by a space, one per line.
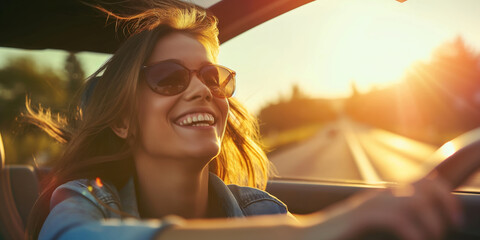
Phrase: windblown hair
pixel 91 147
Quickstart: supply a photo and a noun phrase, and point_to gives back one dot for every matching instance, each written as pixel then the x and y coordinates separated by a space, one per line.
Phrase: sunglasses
pixel 171 78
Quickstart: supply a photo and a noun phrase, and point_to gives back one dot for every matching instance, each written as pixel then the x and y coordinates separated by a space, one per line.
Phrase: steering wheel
pixel 461 162
pixel 462 158
pixel 455 162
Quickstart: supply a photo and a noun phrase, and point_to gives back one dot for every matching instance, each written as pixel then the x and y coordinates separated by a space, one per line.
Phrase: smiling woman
pixel 152 144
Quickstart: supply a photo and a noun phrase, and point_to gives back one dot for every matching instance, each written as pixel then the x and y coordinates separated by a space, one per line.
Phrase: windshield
pixel 361 90
pixel 346 90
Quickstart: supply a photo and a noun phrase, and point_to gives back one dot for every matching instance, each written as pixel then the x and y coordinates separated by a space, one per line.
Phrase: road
pixel 347 150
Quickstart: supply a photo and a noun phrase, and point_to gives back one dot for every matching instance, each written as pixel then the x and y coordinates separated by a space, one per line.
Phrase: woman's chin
pixel 203 152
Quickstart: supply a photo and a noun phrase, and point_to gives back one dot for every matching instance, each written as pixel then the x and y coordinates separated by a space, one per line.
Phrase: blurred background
pixel 345 90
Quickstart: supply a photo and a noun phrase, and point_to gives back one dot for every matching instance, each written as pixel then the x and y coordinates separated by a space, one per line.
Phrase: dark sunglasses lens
pixel 167 78
pixel 219 80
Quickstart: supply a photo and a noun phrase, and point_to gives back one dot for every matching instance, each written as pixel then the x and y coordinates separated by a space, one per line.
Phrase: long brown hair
pixel 91 147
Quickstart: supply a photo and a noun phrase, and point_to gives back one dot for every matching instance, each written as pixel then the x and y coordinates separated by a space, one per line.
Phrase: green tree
pixel 355 92
pixel 22 77
pixel 297 92
pixel 300 110
pixel 75 73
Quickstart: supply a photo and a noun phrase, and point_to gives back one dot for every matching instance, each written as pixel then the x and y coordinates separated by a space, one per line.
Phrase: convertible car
pixel 334 145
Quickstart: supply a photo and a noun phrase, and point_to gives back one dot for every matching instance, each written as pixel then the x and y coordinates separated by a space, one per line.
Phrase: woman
pixel 158 135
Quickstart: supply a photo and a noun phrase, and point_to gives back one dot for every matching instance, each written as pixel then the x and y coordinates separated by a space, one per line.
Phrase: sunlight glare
pixel 447 149
pixel 379 43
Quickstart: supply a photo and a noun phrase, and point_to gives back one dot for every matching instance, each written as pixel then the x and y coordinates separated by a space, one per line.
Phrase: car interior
pixel 29 29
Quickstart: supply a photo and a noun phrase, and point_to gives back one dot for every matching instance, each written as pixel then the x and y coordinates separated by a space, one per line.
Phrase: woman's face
pixel 162 134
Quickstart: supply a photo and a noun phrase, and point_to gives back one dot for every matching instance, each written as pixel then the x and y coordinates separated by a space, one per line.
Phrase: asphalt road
pixel 346 150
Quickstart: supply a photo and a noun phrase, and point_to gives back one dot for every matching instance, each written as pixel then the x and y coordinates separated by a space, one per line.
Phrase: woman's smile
pixel 196 119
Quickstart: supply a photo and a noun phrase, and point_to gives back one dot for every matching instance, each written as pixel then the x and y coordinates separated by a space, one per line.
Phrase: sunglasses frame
pixel 196 72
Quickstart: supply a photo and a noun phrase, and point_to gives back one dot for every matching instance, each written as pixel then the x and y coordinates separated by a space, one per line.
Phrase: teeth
pixel 198 119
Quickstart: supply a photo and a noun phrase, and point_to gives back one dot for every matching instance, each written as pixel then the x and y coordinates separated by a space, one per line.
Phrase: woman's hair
pixel 91 147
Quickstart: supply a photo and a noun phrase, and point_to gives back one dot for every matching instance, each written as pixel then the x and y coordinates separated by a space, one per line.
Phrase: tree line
pixel 20 78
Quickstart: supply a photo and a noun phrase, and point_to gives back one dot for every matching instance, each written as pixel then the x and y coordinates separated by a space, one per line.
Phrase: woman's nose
pixel 197 90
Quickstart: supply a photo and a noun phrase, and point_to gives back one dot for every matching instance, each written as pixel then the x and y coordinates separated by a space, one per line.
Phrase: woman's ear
pixel 121 128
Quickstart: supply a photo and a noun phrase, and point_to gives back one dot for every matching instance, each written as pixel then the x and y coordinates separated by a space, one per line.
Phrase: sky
pixel 326 45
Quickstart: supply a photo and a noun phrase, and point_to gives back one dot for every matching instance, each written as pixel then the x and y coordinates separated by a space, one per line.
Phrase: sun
pixel 377 45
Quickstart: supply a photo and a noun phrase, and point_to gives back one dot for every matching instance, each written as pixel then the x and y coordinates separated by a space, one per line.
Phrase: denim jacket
pixel 76 213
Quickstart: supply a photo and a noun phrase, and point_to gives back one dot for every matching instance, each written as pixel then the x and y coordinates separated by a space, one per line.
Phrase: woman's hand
pixel 423 210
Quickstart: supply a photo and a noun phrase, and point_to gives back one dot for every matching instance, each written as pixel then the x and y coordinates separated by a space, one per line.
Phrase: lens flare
pixel 448 149
pixel 99 182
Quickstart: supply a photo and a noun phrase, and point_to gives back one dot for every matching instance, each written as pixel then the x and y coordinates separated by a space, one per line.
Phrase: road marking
pixel 367 171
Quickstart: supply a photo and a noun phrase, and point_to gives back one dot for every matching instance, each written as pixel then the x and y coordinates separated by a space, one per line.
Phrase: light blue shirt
pixel 76 213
